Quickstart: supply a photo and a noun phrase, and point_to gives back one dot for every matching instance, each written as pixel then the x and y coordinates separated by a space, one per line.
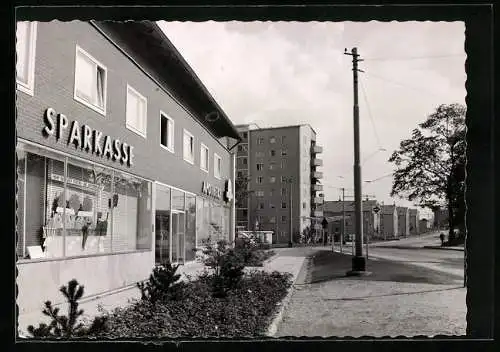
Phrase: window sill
pixel 189 161
pixel 39 260
pixel 97 109
pixel 136 131
pixel 25 88
pixel 204 170
pixel 171 150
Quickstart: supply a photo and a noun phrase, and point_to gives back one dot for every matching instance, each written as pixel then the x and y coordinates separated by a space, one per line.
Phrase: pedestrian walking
pixel 441 237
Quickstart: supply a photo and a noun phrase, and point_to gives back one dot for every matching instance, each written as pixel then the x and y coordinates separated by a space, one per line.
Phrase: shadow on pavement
pixel 327 265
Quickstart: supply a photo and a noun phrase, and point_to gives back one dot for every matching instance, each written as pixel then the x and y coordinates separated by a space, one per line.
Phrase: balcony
pixel 316 188
pixel 316 149
pixel 317 174
pixel 316 162
pixel 317 200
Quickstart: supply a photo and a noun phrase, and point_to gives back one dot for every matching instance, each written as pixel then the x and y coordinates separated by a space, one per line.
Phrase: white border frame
pixel 219 174
pixel 203 146
pixel 184 133
pixel 143 98
pixel 105 87
pixel 30 87
pixel 165 115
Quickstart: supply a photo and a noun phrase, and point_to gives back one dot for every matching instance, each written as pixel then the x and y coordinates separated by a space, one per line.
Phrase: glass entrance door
pixel 162 235
pixel 178 237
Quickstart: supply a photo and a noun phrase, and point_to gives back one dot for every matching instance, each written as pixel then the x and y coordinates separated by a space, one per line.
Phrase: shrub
pixel 66 326
pixel 162 284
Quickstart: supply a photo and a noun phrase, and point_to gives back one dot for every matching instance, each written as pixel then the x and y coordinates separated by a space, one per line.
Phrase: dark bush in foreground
pixel 67 326
pixel 244 311
pixel 162 284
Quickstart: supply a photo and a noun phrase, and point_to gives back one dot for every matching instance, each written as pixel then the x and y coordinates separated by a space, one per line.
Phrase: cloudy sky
pixel 282 73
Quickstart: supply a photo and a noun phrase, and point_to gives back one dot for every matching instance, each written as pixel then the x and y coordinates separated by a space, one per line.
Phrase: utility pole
pixel 358 261
pixel 342 234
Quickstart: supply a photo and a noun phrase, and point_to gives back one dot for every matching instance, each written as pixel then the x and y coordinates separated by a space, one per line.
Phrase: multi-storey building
pixel 123 159
pixel 281 167
pixel 403 221
pixel 389 222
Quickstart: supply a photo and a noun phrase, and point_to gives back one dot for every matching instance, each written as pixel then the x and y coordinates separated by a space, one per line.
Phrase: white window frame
pixel 259 193
pixel 29 87
pixel 284 207
pixel 260 166
pixel 143 98
pixel 272 139
pixel 259 178
pixel 207 157
pixel 171 147
pixel 187 159
pixel 217 171
pixel 102 110
pixel 272 179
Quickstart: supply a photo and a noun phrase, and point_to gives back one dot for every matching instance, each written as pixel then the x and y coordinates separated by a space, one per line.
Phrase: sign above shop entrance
pixel 88 139
pixel 211 190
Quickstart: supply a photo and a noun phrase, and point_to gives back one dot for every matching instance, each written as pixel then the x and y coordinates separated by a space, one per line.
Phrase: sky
pixel 285 73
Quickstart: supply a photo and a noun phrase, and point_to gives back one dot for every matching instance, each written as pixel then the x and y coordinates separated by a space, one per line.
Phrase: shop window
pixel 188 148
pixel 25 52
pixel 166 132
pixel 136 112
pixel 217 166
pixel 77 208
pixel 90 81
pixel 204 157
pixel 190 237
pixel 162 224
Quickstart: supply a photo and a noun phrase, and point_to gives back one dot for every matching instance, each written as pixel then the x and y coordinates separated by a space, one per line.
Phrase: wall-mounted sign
pixel 211 190
pixel 87 138
pixel 228 192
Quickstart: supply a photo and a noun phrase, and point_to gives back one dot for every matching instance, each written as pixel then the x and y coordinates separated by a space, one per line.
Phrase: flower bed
pixel 245 311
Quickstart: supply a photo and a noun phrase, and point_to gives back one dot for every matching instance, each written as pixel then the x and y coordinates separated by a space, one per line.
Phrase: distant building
pixel 332 210
pixel 441 218
pixel 388 222
pixel 423 225
pixel 403 221
pixel 414 225
pixel 269 158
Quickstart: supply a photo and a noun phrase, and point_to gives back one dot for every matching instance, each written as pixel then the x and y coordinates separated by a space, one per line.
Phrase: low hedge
pixel 245 311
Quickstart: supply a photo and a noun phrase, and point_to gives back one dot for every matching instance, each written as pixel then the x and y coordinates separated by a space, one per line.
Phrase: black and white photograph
pixel 241 179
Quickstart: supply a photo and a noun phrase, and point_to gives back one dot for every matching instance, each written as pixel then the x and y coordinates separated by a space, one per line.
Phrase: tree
pixel 430 166
pixel 241 191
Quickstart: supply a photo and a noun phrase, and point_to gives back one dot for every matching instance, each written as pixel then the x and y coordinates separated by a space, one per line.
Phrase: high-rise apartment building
pixel 280 166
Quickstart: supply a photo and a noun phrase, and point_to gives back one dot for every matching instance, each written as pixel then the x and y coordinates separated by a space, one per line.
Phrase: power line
pixel 414 57
pixel 370 113
pixel 381 177
pixel 401 84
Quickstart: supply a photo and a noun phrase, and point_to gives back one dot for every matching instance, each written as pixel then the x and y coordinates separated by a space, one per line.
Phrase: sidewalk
pixel 396 299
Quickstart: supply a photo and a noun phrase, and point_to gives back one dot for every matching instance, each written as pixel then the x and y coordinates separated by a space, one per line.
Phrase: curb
pixel 445 248
pixel 273 327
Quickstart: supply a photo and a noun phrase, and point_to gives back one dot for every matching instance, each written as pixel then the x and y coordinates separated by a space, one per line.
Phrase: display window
pixel 72 208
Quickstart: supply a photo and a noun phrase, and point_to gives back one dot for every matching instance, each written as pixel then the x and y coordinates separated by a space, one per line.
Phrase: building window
pixel 240 148
pixel 272 140
pixel 25 51
pixel 261 205
pixel 271 193
pixel 260 140
pixel 78 208
pixel 272 166
pixel 283 139
pixel 283 218
pixel 284 179
pixel 272 179
pixel 240 174
pixel 272 219
pixel 204 157
pixel 166 132
pixel 259 179
pixel 283 205
pixel 90 81
pixel 304 205
pixel 272 206
pixel 259 154
pixel 259 193
pixel 136 115
pixel 283 191
pixel 217 166
pixel 283 152
pixel 188 147
pixel 245 161
pixel 260 166
pixel 272 152
pixel 245 135
pixel 283 164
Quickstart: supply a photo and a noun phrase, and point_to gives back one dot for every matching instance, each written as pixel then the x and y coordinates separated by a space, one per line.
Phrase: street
pixel 411 291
